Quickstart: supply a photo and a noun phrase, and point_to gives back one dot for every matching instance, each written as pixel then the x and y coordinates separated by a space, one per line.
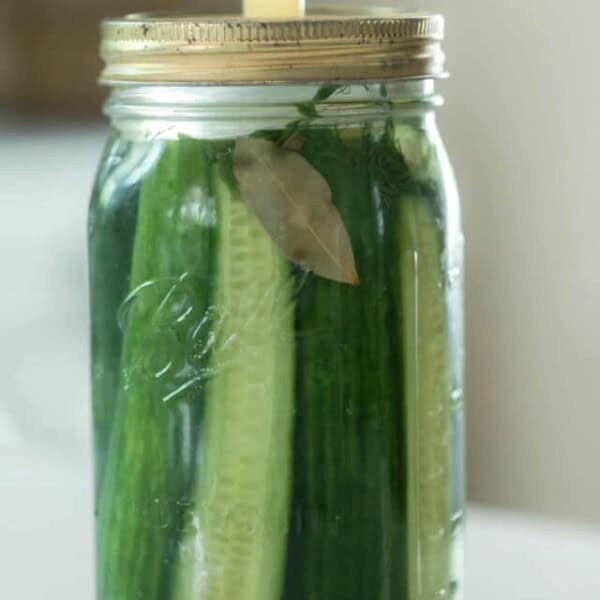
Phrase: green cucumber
pixel 427 397
pixel 409 183
pixel 111 228
pixel 233 544
pixel 149 462
pixel 347 534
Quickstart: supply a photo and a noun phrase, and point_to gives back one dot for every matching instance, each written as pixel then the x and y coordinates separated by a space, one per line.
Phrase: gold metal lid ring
pixel 187 49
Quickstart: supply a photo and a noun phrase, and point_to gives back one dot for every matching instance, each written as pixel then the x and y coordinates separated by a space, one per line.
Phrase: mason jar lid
pixel 328 45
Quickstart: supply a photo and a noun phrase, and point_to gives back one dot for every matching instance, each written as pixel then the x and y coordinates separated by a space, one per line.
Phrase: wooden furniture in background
pixel 49 50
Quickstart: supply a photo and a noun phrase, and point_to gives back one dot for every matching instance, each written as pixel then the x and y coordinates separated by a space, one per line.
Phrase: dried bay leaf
pixel 293 201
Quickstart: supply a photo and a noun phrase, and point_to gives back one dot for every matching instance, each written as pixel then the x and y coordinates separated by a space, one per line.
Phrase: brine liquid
pixel 263 432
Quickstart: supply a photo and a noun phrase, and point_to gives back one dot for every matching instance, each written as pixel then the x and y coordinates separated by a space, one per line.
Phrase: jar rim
pixel 333 45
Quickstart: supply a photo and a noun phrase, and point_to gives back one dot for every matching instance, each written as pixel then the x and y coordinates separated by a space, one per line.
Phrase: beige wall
pixel 522 122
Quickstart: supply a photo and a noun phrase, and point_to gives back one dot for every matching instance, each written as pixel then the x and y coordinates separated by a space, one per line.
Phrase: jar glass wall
pixel 276 278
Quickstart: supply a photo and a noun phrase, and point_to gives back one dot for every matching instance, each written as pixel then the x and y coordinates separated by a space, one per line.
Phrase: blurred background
pixel 521 125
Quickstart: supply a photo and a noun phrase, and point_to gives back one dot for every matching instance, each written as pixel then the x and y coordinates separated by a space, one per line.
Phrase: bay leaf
pixel 293 201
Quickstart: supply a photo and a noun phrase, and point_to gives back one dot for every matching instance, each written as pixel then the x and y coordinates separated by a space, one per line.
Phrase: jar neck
pixel 167 111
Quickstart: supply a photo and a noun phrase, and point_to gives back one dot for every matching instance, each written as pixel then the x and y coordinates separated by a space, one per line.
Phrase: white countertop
pixel 46 542
pixel 45 480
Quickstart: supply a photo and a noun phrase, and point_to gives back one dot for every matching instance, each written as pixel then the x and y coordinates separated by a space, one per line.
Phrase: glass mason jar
pixel 276 285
